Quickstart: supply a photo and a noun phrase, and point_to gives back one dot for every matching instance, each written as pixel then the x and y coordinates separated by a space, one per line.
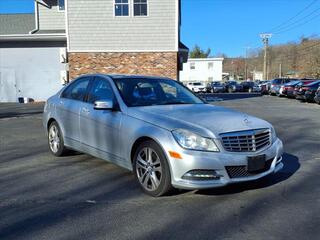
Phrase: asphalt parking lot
pixel 81 197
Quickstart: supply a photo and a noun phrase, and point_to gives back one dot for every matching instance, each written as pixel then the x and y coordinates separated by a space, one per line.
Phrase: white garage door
pixel 29 72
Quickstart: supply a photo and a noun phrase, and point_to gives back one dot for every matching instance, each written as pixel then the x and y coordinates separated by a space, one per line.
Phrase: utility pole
pixel 246 64
pixel 280 70
pixel 265 39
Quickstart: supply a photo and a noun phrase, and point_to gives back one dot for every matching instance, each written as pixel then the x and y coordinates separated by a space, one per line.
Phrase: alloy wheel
pixel 54 139
pixel 149 169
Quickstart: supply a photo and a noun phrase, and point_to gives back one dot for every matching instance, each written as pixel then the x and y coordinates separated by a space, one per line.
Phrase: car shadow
pixel 19 114
pixel 291 166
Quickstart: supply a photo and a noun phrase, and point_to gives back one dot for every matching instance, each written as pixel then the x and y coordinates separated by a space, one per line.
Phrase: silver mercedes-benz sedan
pixel 161 131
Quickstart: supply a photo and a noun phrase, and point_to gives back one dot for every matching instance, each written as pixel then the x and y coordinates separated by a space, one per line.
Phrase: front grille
pixel 246 141
pixel 241 171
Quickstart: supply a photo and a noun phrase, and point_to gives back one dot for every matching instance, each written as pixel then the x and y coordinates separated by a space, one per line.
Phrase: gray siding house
pixel 68 38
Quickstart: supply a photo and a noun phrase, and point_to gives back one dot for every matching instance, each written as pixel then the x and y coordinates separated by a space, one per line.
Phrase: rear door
pixel 100 128
pixel 68 109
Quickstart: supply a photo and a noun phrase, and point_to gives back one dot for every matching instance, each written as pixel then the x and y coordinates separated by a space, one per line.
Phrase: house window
pixel 121 8
pixel 210 65
pixel 192 65
pixel 61 5
pixel 140 7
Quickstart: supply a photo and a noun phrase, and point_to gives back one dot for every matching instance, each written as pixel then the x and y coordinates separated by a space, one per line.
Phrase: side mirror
pixel 103 105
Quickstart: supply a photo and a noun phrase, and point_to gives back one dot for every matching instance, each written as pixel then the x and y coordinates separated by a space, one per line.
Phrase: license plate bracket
pixel 256 163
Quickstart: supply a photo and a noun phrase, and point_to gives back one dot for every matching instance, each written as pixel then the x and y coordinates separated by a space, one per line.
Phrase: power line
pixel 298 25
pixel 298 14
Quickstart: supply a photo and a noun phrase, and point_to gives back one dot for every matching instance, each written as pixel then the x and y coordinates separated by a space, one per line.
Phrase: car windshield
pixel 152 91
pixel 197 84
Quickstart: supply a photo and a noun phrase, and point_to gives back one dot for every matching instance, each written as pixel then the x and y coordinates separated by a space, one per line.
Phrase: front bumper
pixel 195 160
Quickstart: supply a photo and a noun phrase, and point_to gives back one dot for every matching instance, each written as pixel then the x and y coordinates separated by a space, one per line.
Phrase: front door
pixel 100 128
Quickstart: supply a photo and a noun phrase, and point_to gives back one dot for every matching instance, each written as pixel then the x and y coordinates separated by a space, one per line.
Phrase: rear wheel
pixel 55 140
pixel 151 169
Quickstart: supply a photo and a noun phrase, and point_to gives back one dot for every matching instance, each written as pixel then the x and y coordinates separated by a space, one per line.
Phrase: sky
pixel 232 26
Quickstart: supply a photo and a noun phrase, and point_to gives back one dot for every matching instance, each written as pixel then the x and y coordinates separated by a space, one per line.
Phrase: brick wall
pixel 152 64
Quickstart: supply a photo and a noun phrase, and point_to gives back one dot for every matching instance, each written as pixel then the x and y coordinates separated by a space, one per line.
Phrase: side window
pixel 140 8
pixel 121 8
pixel 100 90
pixel 77 90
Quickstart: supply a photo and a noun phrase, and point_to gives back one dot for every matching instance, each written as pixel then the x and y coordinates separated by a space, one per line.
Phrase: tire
pixel 151 169
pixel 55 140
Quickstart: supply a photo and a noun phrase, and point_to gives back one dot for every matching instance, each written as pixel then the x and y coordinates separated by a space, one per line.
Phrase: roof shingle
pixel 16 23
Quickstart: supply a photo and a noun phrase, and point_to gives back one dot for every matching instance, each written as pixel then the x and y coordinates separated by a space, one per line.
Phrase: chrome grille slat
pixel 246 141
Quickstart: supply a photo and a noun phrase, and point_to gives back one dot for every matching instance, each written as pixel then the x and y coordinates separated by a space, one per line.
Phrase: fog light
pixel 202 175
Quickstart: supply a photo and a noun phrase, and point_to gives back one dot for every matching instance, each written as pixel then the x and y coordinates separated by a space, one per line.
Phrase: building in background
pixel 202 70
pixel 68 38
pixel 257 76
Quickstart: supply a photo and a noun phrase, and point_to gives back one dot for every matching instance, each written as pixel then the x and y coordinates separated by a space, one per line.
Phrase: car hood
pixel 204 119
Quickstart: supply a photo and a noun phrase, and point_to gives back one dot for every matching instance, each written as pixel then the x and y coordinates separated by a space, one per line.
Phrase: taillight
pixel 305 88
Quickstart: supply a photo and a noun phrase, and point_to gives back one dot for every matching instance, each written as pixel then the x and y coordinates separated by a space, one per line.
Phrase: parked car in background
pixel 317 96
pixel 311 91
pixel 247 86
pixel 287 88
pixel 277 83
pixel 151 126
pixel 233 86
pixel 197 87
pixel 256 88
pixel 307 92
pixel 291 91
pixel 264 87
pixel 215 87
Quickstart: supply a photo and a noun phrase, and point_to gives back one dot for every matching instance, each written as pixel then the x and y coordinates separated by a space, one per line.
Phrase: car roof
pixel 120 76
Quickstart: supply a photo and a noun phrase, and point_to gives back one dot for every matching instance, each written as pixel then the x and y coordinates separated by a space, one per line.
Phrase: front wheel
pixel 55 140
pixel 151 169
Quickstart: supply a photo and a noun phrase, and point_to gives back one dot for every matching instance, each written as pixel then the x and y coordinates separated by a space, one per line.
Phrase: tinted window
pixel 101 90
pixel 77 90
pixel 152 91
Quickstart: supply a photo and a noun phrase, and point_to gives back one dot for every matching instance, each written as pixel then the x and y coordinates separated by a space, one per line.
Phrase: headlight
pixel 273 135
pixel 192 141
